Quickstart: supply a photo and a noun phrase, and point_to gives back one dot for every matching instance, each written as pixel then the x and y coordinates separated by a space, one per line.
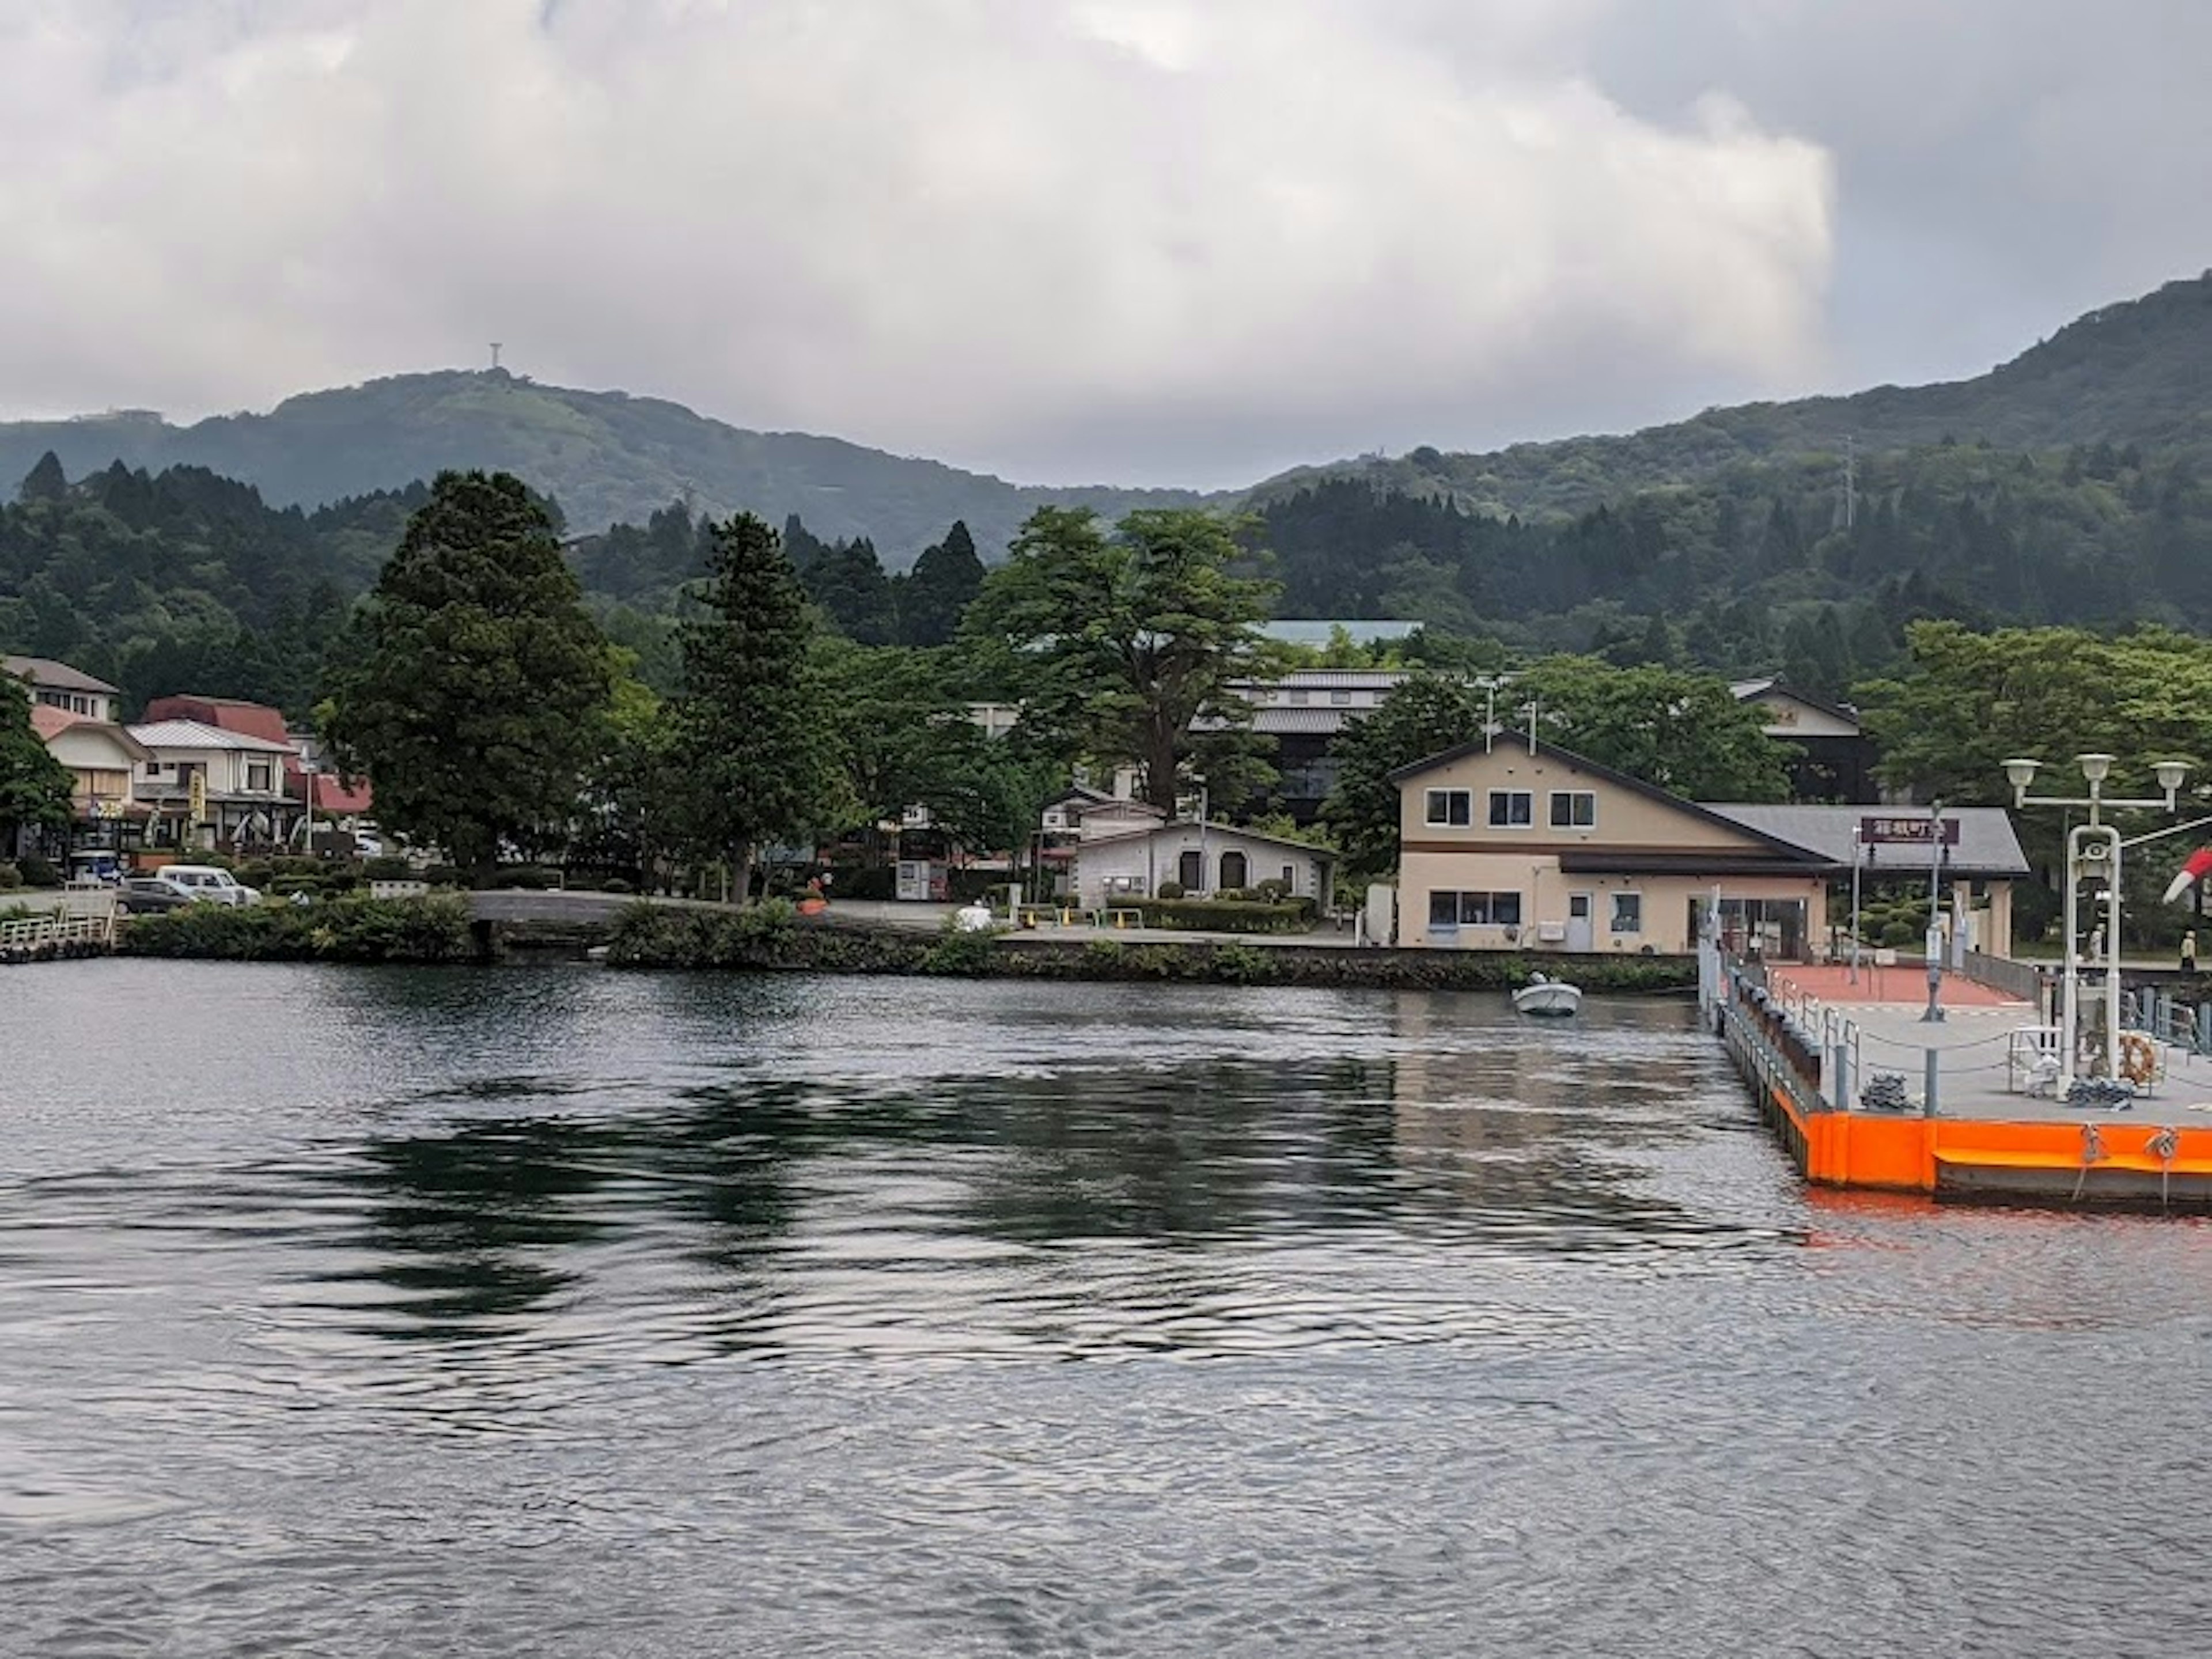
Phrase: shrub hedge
pixel 351 928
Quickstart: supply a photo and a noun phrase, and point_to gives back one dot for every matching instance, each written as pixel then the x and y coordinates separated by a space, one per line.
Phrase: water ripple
pixel 574 1313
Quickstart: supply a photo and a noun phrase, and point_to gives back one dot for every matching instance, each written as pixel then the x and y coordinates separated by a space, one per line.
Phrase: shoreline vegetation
pixel 772 936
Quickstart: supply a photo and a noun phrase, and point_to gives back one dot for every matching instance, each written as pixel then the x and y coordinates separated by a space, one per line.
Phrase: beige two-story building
pixel 1506 847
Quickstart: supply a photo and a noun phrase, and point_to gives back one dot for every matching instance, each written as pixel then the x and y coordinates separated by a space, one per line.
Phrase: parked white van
pixel 207 882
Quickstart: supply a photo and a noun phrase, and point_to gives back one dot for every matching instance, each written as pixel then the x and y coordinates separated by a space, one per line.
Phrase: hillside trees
pixel 479 697
pixel 1124 641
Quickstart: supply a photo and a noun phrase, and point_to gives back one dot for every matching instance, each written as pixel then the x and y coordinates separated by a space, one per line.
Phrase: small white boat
pixel 1553 998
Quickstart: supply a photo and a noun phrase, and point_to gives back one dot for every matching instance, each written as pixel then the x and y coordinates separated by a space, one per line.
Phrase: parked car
pixel 209 884
pixel 149 895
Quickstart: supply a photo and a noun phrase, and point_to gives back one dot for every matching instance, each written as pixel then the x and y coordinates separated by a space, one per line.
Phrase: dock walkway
pixel 1815 1043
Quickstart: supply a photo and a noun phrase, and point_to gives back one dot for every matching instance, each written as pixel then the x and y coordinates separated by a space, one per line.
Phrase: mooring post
pixel 1928 1099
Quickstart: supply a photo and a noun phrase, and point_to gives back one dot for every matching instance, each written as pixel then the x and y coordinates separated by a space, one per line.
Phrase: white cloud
pixel 1141 239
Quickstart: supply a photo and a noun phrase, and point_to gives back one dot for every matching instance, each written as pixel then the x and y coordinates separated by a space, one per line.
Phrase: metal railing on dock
pixel 77 924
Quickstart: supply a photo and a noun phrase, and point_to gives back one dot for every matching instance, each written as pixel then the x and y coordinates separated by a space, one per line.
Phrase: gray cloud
pixel 1159 241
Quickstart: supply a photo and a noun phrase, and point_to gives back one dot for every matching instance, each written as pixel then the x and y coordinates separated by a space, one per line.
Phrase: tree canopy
pixel 479 697
pixel 34 786
pixel 1124 641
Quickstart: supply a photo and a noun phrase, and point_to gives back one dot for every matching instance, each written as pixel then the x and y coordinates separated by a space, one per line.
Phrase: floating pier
pixel 1864 1094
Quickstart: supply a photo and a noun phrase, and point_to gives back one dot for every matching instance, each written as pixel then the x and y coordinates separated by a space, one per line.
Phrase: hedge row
pixel 773 938
pixel 351 928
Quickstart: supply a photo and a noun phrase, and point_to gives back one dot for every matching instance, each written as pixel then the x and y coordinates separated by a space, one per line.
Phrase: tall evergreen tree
pixel 753 724
pixel 934 594
pixel 46 482
pixel 477 701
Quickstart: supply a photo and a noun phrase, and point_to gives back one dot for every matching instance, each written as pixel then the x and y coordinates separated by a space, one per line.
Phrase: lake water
pixel 557 1311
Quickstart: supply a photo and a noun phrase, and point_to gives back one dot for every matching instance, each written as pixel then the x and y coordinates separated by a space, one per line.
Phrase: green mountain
pixel 2137 372
pixel 605 456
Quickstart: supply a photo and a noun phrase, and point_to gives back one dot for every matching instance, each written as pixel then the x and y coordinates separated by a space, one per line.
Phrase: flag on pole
pixel 2198 866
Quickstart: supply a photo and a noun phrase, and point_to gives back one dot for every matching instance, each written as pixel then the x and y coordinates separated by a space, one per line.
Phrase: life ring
pixel 2138 1057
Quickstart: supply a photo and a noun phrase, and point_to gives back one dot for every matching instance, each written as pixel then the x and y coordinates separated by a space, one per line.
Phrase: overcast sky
pixel 1172 241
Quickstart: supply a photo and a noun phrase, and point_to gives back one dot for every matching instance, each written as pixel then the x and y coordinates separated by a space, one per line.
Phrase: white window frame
pixel 1473 909
pixel 1613 920
pixel 1585 798
pixel 1438 808
pixel 1526 796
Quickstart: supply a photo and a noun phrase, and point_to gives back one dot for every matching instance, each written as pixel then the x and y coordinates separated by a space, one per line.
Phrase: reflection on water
pixel 596 1313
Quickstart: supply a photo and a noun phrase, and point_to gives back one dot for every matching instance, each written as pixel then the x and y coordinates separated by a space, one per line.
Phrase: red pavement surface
pixel 1905 982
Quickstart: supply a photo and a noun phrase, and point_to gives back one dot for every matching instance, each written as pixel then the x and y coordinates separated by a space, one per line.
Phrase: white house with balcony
pixel 207 786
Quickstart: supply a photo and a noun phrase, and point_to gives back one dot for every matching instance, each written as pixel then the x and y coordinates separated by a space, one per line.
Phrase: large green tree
pixel 1970 700
pixel 477 701
pixel 1125 642
pixel 905 738
pixel 754 726
pixel 1683 731
pixel 34 786
pixel 1425 715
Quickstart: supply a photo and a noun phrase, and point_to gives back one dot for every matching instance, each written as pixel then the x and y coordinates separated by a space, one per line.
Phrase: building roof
pixel 1987 844
pixel 191 734
pixel 50 722
pixel 255 720
pixel 1240 833
pixel 336 795
pixel 1324 721
pixel 1792 851
pixel 1335 679
pixel 1774 685
pixel 59 676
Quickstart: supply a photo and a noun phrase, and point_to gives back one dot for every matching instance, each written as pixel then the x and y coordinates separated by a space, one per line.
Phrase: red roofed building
pixel 336 796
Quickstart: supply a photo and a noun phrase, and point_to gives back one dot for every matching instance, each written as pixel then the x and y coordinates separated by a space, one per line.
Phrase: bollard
pixel 2204 1028
pixel 1928 1105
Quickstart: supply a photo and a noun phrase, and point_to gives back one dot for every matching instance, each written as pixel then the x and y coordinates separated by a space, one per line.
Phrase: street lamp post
pixel 1858 860
pixel 2091 843
pixel 1935 1009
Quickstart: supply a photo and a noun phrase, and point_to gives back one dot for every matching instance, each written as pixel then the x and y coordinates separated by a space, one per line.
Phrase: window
pixel 1511 809
pixel 1298 696
pixel 1628 912
pixel 1573 809
pixel 1190 871
pixel 1451 806
pixel 1454 910
pixel 1341 699
pixel 1291 876
pixel 1235 871
pixel 256 774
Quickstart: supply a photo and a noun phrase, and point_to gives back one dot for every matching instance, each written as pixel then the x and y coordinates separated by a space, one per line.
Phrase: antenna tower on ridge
pixel 495 357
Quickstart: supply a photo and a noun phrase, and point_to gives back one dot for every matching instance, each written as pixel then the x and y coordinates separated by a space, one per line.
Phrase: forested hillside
pixel 606 457
pixel 2134 373
pixel 1757 570
pixel 185 580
